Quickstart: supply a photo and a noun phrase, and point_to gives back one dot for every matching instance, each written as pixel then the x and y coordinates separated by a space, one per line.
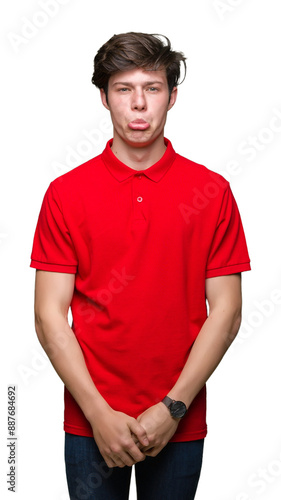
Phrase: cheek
pixel 159 109
pixel 118 111
pixel 160 115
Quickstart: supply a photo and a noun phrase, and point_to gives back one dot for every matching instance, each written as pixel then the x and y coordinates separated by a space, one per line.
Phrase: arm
pixel 111 429
pixel 216 335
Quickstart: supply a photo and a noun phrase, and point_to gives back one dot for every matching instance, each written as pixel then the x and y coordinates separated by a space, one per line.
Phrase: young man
pixel 135 241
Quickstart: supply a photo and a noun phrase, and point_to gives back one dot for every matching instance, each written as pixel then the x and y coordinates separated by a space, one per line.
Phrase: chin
pixel 140 138
pixel 140 143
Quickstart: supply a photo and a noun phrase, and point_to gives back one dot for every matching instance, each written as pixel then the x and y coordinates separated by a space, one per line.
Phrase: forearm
pixel 214 338
pixel 112 430
pixel 65 354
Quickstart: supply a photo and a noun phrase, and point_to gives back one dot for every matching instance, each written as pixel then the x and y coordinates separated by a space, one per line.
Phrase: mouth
pixel 138 124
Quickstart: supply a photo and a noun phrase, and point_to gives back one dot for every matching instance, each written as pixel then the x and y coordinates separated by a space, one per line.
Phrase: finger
pixel 134 438
pixel 135 453
pixel 109 462
pixel 151 452
pixel 138 444
pixel 140 432
pixel 136 441
pixel 125 459
pixel 118 461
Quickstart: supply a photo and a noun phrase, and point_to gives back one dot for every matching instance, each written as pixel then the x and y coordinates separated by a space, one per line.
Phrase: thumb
pixel 139 431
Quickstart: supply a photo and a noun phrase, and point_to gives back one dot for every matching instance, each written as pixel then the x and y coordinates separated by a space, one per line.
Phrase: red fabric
pixel 141 245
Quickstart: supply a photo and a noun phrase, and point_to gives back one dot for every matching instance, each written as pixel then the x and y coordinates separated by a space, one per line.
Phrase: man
pixel 135 241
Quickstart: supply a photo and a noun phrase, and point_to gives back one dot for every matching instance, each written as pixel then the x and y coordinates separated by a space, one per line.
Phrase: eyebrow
pixel 144 83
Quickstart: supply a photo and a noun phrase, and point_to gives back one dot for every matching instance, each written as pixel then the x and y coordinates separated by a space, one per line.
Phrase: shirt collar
pixel 122 172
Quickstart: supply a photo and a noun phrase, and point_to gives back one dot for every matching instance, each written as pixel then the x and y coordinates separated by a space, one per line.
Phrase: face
pixel 138 102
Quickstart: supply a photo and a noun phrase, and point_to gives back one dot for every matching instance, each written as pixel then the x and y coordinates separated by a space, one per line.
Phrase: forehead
pixel 138 76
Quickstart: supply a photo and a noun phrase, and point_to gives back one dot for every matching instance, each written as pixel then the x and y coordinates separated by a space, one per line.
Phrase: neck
pixel 140 157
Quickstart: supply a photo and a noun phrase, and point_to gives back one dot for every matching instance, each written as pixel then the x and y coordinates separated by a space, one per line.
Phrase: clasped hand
pixel 159 425
pixel 123 440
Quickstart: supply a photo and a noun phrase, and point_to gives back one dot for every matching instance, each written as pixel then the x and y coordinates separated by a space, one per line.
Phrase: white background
pixel 230 96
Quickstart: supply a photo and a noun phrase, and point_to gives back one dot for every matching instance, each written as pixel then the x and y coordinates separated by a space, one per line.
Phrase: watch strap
pixel 177 408
pixel 167 401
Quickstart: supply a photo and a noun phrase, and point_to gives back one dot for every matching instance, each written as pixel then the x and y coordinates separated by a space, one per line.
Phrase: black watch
pixel 177 408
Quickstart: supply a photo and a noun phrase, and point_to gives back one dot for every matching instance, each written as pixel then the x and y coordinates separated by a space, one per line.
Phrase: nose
pixel 138 100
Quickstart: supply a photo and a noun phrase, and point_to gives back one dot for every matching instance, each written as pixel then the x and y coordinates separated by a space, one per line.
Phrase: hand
pixel 113 432
pixel 159 425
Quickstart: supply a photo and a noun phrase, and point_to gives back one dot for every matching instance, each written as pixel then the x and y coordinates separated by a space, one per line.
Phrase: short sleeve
pixel 53 248
pixel 228 253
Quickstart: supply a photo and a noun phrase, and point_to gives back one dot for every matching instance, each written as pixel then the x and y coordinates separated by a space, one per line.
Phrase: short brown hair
pixel 137 50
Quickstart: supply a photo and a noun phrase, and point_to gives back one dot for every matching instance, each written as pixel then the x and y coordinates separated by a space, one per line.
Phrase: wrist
pixel 176 408
pixel 97 408
pixel 180 393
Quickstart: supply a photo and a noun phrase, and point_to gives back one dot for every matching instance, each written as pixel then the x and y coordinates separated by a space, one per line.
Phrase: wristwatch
pixel 177 408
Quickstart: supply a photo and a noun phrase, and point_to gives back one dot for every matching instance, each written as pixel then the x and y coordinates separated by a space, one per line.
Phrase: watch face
pixel 178 409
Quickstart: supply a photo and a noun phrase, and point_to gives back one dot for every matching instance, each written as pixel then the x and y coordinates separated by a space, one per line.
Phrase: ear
pixel 173 98
pixel 103 98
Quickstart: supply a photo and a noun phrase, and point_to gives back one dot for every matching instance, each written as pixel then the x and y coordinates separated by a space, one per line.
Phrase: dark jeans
pixel 172 475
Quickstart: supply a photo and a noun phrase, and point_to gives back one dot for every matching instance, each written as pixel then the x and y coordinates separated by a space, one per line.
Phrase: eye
pixel 123 89
pixel 153 89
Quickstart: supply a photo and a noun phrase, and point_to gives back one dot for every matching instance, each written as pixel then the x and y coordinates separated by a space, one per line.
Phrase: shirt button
pixel 139 176
pixel 139 199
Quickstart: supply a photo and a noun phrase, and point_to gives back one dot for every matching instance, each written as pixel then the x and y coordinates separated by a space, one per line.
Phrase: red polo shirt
pixel 141 244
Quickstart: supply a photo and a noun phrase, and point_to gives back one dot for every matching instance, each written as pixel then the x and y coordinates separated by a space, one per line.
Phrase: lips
pixel 138 124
